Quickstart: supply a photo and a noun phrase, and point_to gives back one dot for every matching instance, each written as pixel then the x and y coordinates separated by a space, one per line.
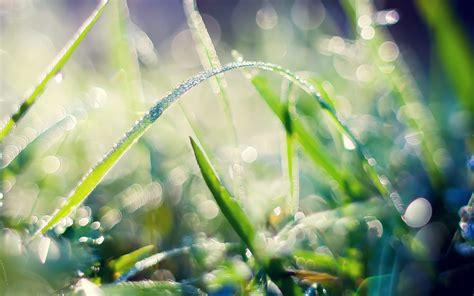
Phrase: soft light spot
pixel 308 15
pixel 267 17
pixel 348 144
pixel 248 254
pixel 388 51
pixel 336 44
pixel 50 164
pixel 178 176
pixel 43 248
pixel 99 240
pixel 249 154
pixel 364 73
pixel 83 221
pixel 277 211
pixel 418 213
pixel 387 17
pixel 95 225
pixel 299 216
pixel 364 21
pixel 414 138
pixel 367 33
pixel 208 209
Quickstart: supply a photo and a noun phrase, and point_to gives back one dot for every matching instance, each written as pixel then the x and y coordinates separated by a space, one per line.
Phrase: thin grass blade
pixel 55 67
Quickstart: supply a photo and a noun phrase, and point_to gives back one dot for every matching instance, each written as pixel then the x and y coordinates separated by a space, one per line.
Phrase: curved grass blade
pixel 209 59
pixel 55 67
pixel 97 173
pixel 149 262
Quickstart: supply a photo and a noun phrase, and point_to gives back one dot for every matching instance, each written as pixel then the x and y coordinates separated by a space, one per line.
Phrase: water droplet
pixel 348 144
pixel 43 249
pixel 418 213
pixel 58 78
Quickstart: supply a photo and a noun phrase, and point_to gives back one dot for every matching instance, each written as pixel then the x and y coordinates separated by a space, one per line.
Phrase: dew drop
pixel 58 78
pixel 418 213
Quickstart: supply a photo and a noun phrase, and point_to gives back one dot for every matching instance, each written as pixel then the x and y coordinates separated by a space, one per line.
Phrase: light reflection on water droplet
pixel 348 144
pixel 43 249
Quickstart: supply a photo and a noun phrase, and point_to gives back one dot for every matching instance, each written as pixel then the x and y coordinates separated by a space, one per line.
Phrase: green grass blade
pixel 453 47
pixel 98 172
pixel 315 150
pixel 126 262
pixel 56 66
pixel 149 288
pixel 418 116
pixel 208 56
pixel 229 207
pixel 209 59
pixel 290 156
pixel 242 225
pixel 151 261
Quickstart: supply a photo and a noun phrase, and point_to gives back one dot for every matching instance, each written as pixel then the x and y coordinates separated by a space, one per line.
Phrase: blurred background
pixel 398 72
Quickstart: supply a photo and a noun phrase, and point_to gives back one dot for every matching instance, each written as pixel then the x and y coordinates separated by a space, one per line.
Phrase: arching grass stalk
pixel 97 173
pixel 55 67
pixel 209 59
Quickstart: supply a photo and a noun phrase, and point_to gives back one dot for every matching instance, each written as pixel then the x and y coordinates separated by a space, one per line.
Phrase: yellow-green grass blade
pixel 126 262
pixel 55 67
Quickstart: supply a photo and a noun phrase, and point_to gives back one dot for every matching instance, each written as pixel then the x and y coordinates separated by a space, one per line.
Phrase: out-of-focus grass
pixel 322 224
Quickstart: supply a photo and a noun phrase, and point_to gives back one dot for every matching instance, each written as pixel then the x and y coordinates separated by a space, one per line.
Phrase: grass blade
pixel 98 172
pixel 290 156
pixel 229 207
pixel 55 67
pixel 209 59
pixel 145 288
pixel 150 261
pixel 453 47
pixel 242 225
pixel 126 262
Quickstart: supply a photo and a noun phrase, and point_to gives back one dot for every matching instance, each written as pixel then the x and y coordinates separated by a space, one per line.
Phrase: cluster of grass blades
pixel 272 253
